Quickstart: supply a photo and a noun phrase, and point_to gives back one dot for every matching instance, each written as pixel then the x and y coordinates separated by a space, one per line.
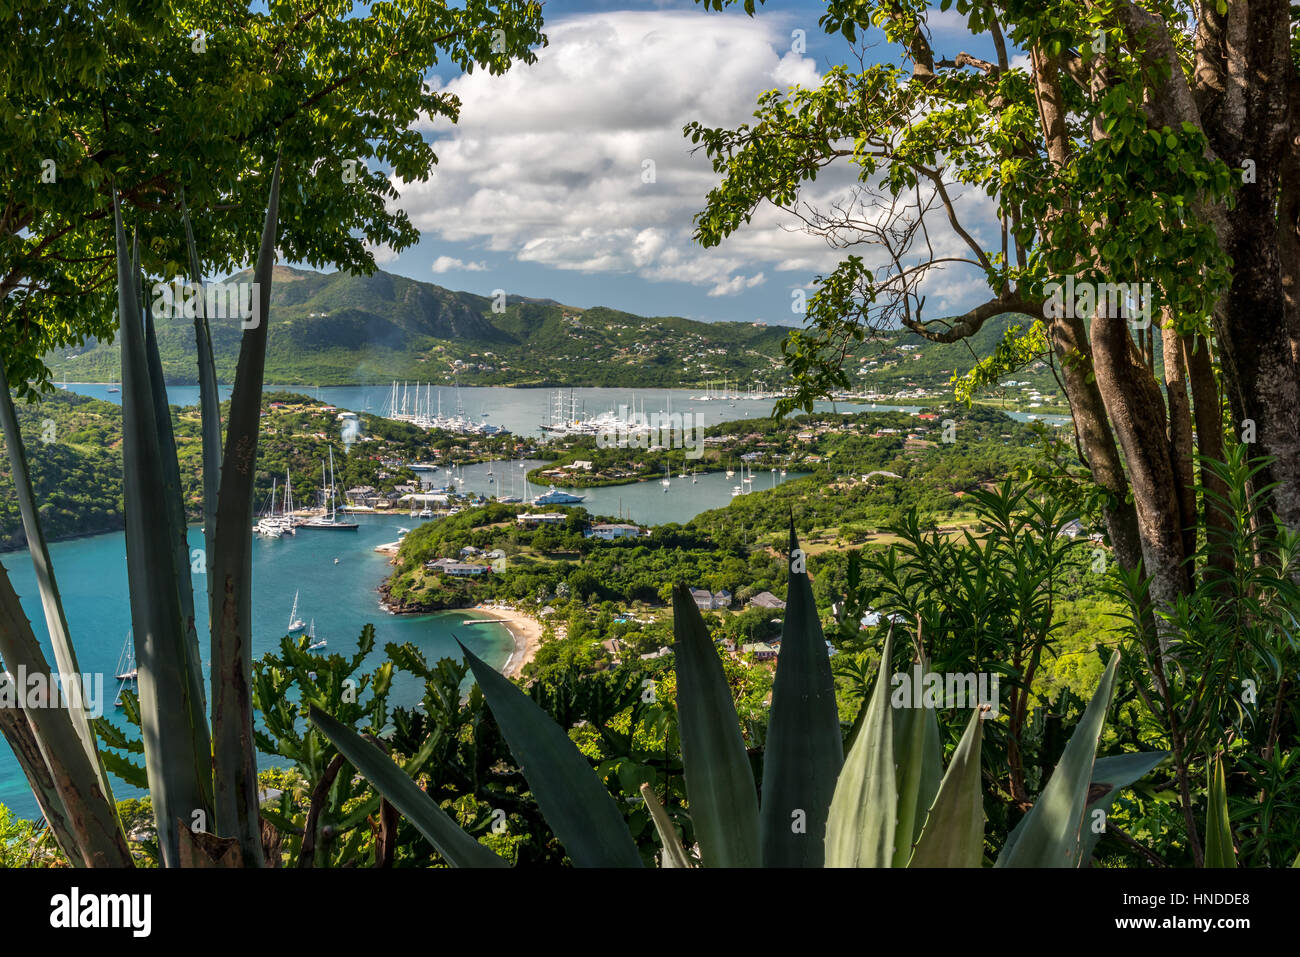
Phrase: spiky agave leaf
pixel 719 781
pixel 173 510
pixel 457 847
pixel 1110 775
pixel 90 817
pixel 861 828
pixel 918 759
pixel 674 855
pixel 209 405
pixel 21 737
pixel 574 801
pixel 231 568
pixel 1049 835
pixel 172 724
pixel 804 749
pixel 56 621
pixel 952 834
pixel 1219 850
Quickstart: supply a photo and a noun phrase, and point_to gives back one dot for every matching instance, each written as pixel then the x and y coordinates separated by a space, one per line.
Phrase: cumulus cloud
pixel 578 161
pixel 382 252
pixel 450 263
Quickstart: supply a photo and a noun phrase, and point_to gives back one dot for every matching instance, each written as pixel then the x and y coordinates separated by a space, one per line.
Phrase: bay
pixel 341 598
pixel 522 410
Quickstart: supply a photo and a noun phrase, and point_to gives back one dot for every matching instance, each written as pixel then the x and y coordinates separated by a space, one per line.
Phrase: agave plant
pixel 203 783
pixel 889 803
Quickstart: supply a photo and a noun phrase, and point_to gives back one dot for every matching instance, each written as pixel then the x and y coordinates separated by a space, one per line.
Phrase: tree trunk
pixel 1207 406
pixel 1136 411
pixel 1180 431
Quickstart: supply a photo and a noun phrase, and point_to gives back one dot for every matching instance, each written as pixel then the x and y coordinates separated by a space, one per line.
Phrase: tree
pixel 1137 147
pixel 193 98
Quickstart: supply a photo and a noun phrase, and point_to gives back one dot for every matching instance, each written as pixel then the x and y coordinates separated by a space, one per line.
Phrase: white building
pixel 610 531
pixel 541 518
pixel 449 566
pixel 706 600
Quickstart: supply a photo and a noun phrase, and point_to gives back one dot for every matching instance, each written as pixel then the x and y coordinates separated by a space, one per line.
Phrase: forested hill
pixel 337 328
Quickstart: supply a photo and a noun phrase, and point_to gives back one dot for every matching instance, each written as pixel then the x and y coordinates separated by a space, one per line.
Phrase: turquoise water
pixel 340 597
pixel 643 502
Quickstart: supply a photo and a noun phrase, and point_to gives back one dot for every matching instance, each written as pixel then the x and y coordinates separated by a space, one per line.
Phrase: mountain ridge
pixel 343 328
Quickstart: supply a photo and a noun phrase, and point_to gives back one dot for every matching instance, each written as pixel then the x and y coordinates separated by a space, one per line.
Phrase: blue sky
pixel 541 188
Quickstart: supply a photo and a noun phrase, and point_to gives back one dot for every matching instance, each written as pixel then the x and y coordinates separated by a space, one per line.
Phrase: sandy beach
pixel 526 631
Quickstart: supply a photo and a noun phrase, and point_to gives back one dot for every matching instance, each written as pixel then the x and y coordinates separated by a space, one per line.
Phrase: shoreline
pixel 525 630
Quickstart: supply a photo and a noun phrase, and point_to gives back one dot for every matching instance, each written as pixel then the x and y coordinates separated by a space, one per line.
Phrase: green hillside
pixel 336 329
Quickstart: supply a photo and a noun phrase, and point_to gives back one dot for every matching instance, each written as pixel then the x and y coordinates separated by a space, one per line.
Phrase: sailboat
pixel 125 672
pixel 295 623
pixel 269 524
pixel 287 523
pixel 512 498
pixel 312 642
pixel 666 480
pixel 327 493
pixel 731 472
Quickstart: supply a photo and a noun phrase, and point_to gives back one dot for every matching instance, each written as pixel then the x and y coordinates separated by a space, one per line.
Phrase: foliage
pixel 860 825
pixel 1215 679
pixel 95 90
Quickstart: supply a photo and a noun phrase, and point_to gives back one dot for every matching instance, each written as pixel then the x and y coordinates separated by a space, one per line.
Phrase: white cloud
pixel 450 263
pixel 735 285
pixel 382 252
pixel 547 164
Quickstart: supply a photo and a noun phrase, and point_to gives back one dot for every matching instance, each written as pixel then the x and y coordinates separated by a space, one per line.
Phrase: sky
pixel 545 187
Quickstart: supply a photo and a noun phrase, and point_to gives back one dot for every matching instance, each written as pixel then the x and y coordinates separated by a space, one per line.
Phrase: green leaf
pixel 234 760
pixel 918 762
pixel 863 817
pixel 719 780
pixel 1049 835
pixel 173 727
pixel 1219 850
pixel 953 834
pixel 56 621
pixel 804 749
pixel 574 801
pixel 459 849
pixel 20 734
pixel 674 855
pixel 1110 775
pixel 209 405
pixel 173 512
pixel 126 769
